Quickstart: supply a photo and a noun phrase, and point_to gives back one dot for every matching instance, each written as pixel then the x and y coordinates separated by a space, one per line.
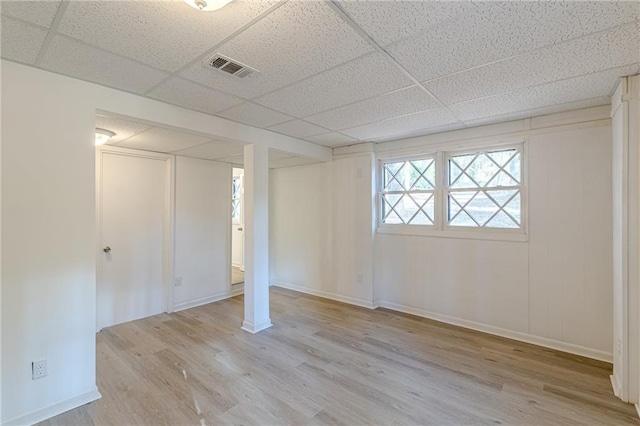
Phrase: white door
pixel 134 204
pixel 237 230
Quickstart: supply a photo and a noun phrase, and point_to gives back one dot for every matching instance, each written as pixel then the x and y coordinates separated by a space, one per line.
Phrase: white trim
pixel 615 384
pixel 59 407
pixel 202 301
pixel 237 291
pixel 637 409
pixel 168 253
pixel 325 294
pixel 502 332
pixel 491 234
pixel 256 328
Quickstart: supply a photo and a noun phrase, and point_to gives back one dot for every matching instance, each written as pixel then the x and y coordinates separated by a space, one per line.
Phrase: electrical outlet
pixel 359 278
pixel 38 369
pixel 177 281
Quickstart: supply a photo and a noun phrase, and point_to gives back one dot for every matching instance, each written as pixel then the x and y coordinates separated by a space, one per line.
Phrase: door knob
pixel 107 249
pixel 239 229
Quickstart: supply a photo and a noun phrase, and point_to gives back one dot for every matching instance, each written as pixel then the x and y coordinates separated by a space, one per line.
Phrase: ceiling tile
pixel 35 12
pixel 20 42
pixel 254 115
pixel 299 39
pixel 359 79
pixel 194 96
pixel 593 53
pixel 298 129
pixel 591 86
pixel 163 34
pixel 162 140
pixel 539 111
pixel 500 30
pixel 123 129
pixel 212 150
pixel 389 21
pixel 400 102
pixel 236 160
pixel 332 139
pixel 396 128
pixel 79 60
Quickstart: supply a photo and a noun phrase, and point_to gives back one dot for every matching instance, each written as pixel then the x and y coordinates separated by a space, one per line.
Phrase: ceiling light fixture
pixel 103 136
pixel 207 5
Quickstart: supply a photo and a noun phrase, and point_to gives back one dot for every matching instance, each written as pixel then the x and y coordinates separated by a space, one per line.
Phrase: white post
pixel 626 240
pixel 256 226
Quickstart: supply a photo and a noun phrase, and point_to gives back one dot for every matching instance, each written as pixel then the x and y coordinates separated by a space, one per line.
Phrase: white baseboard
pixel 503 332
pixel 53 410
pixel 473 325
pixel 202 301
pixel 237 291
pixel 615 385
pixel 325 294
pixel 256 328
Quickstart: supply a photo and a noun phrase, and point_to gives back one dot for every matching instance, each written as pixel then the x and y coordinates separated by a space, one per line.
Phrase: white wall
pixel 553 290
pixel 49 244
pixel 48 208
pixel 321 229
pixel 203 219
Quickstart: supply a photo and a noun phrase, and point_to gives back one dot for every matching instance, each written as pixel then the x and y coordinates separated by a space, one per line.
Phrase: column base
pixel 255 328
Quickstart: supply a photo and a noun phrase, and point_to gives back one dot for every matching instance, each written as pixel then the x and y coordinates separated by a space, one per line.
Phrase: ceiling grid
pixel 340 72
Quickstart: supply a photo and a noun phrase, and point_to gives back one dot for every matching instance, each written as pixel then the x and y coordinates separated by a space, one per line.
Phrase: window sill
pixel 465 234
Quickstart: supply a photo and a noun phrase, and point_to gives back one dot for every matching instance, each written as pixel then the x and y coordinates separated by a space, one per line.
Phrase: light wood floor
pixel 325 362
pixel 237 276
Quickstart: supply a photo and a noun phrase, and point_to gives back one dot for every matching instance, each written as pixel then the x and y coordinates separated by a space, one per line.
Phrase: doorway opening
pixel 237 230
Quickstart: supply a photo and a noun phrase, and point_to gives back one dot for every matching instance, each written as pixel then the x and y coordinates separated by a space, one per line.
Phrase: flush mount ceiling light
pixel 207 5
pixel 103 136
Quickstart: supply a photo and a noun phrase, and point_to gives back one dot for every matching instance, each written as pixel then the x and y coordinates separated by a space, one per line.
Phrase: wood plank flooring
pixel 325 362
pixel 237 276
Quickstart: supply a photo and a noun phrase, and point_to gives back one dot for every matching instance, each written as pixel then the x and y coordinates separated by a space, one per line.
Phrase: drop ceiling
pixel 339 72
pixel 134 135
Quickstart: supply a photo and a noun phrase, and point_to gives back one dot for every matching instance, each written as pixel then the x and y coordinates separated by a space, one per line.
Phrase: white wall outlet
pixel 38 369
pixel 359 278
pixel 177 281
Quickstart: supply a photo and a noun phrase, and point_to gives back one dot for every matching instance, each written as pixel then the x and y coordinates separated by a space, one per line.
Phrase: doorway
pixel 237 229
pixel 134 194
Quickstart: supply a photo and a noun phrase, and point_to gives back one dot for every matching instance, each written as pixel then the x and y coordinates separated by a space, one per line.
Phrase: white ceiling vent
pixel 230 66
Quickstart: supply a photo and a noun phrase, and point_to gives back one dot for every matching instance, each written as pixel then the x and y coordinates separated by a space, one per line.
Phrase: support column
pixel 256 238
pixel 626 240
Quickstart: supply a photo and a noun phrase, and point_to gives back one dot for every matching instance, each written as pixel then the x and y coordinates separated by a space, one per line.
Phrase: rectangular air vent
pixel 229 66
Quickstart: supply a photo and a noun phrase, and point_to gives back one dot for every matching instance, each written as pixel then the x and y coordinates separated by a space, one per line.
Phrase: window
pixel 408 194
pixel 453 190
pixel 484 189
pixel 235 199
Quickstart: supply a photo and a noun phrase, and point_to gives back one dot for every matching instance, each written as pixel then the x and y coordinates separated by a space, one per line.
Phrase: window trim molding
pixel 441 229
pixel 380 189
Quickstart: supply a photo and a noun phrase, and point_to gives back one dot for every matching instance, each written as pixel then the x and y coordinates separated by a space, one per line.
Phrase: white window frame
pixel 441 228
pixel 381 191
pixel 519 147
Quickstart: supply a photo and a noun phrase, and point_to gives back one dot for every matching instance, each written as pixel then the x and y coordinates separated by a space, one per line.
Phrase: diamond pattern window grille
pixel 235 199
pixel 484 189
pixel 408 195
